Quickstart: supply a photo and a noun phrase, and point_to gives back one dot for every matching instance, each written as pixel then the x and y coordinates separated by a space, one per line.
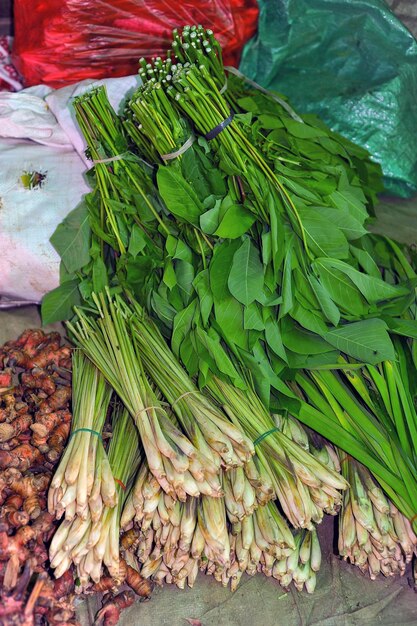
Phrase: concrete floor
pixel 343 597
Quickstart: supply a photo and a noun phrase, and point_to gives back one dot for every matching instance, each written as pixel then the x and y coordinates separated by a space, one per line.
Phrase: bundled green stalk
pixel 91 544
pixel 251 252
pixel 373 534
pixel 83 482
pixel 302 565
pixel 121 180
pixel 297 477
pixel 185 537
pixel 369 413
pixel 177 464
pixel 205 424
pixel 258 542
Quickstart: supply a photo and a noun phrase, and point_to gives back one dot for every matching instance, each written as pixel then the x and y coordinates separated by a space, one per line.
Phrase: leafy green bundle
pixel 250 241
pixel 243 232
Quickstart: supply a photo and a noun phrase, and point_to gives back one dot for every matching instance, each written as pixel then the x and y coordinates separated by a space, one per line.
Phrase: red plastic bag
pixel 9 78
pixel 58 42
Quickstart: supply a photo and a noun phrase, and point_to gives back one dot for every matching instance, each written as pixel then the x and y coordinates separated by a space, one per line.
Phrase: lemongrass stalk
pixel 192 408
pixel 77 471
pixel 107 341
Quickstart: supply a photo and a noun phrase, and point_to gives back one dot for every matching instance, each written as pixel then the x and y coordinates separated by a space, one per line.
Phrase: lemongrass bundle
pixel 204 422
pixel 328 499
pixel 172 547
pixel 302 565
pixel 373 534
pixel 83 482
pixel 172 458
pixel 91 544
pixel 257 543
pixel 299 479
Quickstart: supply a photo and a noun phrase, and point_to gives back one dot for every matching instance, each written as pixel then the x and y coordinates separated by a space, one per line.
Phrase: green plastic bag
pixel 354 64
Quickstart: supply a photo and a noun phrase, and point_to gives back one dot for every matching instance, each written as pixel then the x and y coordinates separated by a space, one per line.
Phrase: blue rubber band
pixel 218 129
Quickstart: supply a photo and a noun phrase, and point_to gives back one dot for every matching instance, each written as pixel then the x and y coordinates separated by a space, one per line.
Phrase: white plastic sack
pixel 47 151
pixel 28 216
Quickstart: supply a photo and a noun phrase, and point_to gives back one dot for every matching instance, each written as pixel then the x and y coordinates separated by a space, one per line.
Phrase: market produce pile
pixel 252 342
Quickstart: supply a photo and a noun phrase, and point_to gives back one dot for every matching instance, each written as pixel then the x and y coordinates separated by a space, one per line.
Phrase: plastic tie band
pixel 180 151
pixel 280 101
pixel 148 408
pixel 212 134
pixel 118 157
pixel 224 88
pixel 187 393
pixel 265 435
pixel 119 482
pixel 86 430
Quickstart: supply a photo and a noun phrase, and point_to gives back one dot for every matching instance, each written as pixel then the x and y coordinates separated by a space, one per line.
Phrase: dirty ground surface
pixel 343 597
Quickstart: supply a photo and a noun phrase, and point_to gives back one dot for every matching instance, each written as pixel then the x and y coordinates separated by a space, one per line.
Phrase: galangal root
pixel 35 418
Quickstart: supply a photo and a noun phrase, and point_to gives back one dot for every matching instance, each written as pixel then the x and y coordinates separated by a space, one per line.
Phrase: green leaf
pixel 266 248
pixel 100 279
pixel 270 121
pixel 327 360
pixel 182 326
pixel 198 170
pixel 303 131
pixel 301 190
pixel 308 319
pixel 323 237
pixel 260 380
pixel 139 274
pixel 278 239
pixel 163 309
pixel 340 289
pixel 169 277
pixel 367 340
pixel 184 272
pixel 229 321
pixel 246 276
pixel 71 239
pixel 347 201
pixel 228 311
pixel 58 304
pixel 274 339
pixel 189 356
pixel 286 289
pixel 327 305
pixel 252 318
pixel 178 195
pixel 351 227
pixel 193 172
pixel 171 245
pixel 366 261
pixel 235 222
pixel 210 219
pixel 220 266
pixel 201 284
pixel 137 240
pixel 212 343
pixel 182 252
pixel 373 289
pixel 301 341
pixel 406 328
